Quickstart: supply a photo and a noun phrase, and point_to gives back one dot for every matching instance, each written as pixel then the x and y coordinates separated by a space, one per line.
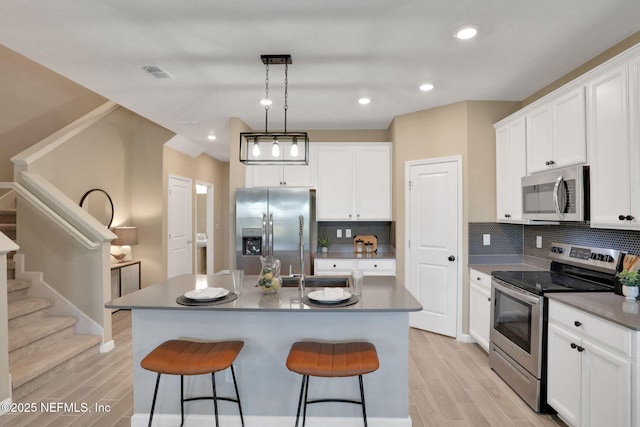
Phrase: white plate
pixel 207 294
pixel 331 297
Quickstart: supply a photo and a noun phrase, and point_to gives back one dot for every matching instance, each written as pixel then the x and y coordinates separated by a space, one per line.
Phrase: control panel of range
pixel 585 256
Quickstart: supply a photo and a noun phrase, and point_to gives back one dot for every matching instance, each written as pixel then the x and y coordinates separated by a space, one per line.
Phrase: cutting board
pixel 365 239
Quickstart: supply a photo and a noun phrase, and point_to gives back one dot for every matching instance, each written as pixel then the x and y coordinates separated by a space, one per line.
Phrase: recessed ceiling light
pixel 467 32
pixel 364 101
pixel 211 137
pixel 426 87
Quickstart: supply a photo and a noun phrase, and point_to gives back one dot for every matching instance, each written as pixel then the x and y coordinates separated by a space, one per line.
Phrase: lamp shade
pixel 126 236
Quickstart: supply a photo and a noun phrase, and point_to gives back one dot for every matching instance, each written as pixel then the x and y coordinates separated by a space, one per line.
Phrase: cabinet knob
pixel 551 162
pixel 489 299
pixel 547 163
pixel 580 348
pixel 507 215
pixel 629 218
pixel 574 345
pixel 622 217
pixel 375 265
pixel 578 324
pixel 334 266
pixel 478 279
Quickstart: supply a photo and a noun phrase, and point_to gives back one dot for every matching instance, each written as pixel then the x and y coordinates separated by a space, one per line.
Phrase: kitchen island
pixel 269 324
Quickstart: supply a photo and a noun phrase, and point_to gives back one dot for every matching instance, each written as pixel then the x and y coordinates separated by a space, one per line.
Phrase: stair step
pixel 17 289
pixel 7 216
pixel 26 340
pixel 26 310
pixel 29 373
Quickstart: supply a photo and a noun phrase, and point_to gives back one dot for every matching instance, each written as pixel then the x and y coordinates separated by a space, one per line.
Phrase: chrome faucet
pixel 301 248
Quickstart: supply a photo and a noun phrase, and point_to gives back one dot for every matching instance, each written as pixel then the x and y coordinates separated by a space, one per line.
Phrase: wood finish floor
pixel 451 384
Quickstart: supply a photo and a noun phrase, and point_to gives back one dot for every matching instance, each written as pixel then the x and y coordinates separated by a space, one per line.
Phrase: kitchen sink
pixel 316 281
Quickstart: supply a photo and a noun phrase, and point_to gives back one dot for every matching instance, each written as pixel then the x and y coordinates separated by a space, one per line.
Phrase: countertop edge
pixel 606 306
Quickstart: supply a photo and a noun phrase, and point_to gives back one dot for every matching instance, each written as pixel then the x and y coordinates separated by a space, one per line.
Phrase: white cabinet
pixel 556 134
pixel 614 157
pixel 589 368
pixel 353 182
pixel 343 267
pixel 279 175
pixel 510 168
pixel 480 307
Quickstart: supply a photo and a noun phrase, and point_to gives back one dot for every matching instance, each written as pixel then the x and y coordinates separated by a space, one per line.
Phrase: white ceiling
pixel 342 50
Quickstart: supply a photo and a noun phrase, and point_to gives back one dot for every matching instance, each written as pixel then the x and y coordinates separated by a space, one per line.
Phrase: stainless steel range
pixel 519 310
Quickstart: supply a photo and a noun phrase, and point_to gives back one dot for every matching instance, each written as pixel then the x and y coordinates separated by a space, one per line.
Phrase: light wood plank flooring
pixel 451 384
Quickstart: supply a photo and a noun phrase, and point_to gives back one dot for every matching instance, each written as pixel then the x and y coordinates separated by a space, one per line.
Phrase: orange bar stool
pixel 332 360
pixel 182 357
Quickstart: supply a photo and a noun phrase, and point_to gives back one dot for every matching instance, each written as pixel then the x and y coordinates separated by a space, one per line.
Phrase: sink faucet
pixel 301 248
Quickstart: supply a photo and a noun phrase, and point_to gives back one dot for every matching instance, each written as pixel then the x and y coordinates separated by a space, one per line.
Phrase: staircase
pixel 41 345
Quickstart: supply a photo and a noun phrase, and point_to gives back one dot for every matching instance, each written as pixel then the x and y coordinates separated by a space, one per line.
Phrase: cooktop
pixel 541 282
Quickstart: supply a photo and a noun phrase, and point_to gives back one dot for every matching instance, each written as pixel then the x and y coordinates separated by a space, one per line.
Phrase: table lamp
pixel 127 236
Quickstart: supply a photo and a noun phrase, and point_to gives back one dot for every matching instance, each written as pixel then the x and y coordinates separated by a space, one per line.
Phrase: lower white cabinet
pixel 590 368
pixel 480 307
pixel 343 267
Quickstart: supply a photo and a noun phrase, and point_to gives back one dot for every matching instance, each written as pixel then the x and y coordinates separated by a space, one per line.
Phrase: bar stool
pixel 331 360
pixel 182 357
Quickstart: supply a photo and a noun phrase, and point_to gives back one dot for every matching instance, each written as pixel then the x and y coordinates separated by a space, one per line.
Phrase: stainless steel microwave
pixel 557 195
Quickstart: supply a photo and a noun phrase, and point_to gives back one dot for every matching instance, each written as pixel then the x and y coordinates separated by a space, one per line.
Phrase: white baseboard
pixel 107 346
pixel 171 420
pixel 466 338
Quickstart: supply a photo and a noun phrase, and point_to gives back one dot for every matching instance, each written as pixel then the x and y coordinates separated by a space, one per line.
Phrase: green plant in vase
pixel 324 243
pixel 630 283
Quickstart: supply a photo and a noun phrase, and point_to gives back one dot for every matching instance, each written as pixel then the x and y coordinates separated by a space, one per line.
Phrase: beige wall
pixel 34 103
pixel 465 129
pixel 207 169
pixel 121 154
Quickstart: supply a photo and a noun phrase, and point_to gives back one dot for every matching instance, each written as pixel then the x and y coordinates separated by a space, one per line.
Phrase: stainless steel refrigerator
pixel 267 223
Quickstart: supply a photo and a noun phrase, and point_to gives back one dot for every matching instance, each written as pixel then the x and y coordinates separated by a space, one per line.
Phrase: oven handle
pixel 515 292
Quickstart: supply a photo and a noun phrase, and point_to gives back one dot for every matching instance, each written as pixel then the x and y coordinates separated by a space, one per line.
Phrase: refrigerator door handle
pixel 263 249
pixel 271 234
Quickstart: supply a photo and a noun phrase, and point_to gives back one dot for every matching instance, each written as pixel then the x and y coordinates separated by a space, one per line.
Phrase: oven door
pixel 517 325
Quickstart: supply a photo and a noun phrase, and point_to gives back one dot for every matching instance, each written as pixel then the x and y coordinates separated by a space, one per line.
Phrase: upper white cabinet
pixel 614 147
pixel 510 168
pixel 278 175
pixel 353 182
pixel 556 135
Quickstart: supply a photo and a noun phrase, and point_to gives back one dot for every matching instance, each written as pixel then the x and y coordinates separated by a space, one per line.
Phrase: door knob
pixel 451 258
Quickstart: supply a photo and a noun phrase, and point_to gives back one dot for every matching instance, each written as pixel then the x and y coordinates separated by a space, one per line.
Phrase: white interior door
pixel 179 226
pixel 433 230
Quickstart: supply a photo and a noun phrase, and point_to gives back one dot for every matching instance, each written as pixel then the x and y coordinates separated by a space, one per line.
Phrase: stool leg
pixel 155 394
pixel 306 394
pixel 304 379
pixel 364 411
pixel 235 384
pixel 181 400
pixel 215 397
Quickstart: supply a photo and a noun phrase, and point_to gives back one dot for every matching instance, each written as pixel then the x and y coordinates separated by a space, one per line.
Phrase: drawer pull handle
pixel 578 324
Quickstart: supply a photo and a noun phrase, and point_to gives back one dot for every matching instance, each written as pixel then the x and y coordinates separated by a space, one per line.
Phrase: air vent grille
pixel 157 71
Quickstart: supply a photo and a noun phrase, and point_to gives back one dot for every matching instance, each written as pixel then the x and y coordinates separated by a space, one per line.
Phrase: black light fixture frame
pixel 284 139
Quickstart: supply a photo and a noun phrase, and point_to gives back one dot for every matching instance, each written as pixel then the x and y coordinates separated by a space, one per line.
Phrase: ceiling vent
pixel 157 71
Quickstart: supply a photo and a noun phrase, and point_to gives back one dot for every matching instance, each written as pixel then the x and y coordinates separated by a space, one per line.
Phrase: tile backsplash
pixel 514 239
pixel 379 229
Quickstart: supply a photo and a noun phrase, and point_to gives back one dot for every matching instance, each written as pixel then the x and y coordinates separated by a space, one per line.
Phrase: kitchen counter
pixel 355 255
pixel 269 325
pixel 488 268
pixel 608 306
pixel 383 293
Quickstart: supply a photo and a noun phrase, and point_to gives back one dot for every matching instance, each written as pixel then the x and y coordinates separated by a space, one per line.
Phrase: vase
pixel 325 249
pixel 631 292
pixel 269 280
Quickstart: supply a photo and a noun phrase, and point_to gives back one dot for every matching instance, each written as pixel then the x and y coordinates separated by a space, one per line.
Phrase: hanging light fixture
pixel 291 148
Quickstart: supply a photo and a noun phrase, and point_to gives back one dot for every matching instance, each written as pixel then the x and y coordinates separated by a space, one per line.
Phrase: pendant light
pixel 290 148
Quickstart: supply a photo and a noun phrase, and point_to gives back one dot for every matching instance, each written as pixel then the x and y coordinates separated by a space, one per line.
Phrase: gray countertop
pixel 355 255
pixel 609 306
pixel 488 268
pixel 379 294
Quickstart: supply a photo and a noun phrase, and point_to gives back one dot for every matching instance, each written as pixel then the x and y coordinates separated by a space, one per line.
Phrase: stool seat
pixel 320 359
pixel 181 357
pixel 331 360
pixel 185 357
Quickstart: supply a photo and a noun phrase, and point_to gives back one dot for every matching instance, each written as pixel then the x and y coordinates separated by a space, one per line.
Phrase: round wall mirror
pixel 99 205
